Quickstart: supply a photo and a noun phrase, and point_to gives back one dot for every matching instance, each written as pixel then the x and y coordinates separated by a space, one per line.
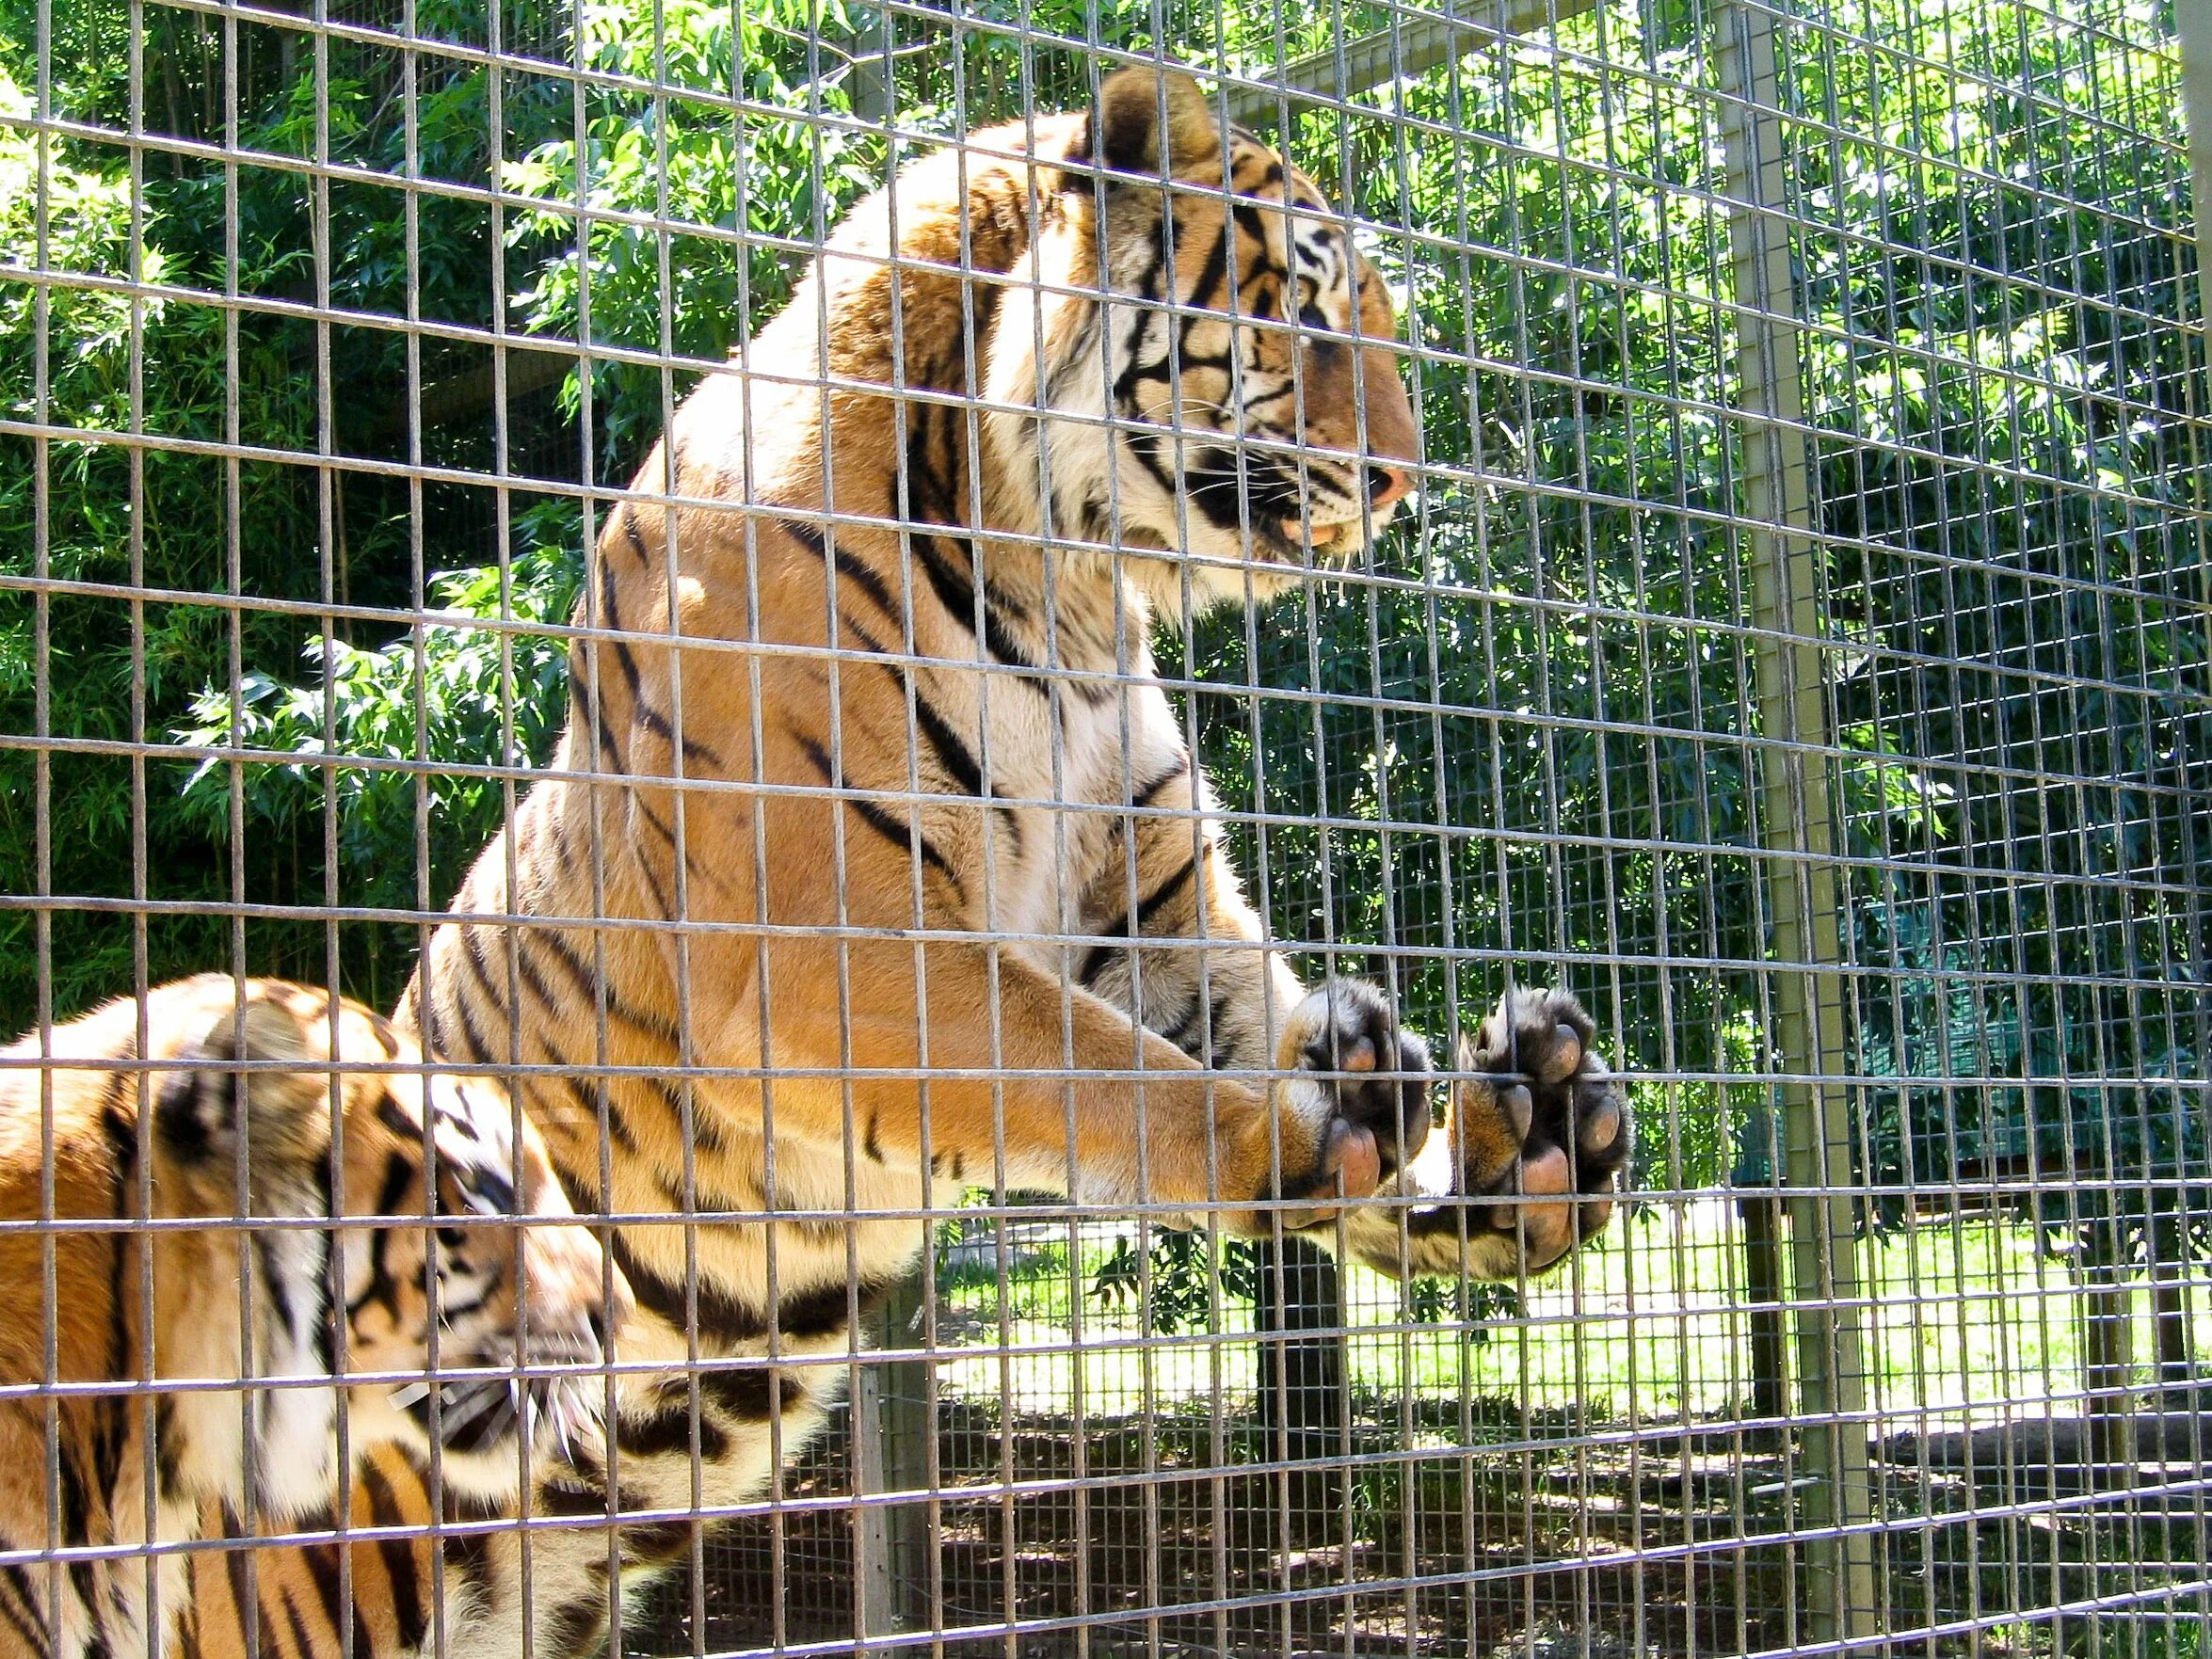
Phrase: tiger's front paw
pixel 1540 1134
pixel 1357 1110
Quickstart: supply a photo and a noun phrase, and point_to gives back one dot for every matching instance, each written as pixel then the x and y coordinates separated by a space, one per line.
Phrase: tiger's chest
pixel 1067 760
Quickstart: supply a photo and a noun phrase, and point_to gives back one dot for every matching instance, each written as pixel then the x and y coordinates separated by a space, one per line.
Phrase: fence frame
pixel 1798 838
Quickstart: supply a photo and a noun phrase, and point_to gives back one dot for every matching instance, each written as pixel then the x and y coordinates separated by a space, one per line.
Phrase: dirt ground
pixel 1561 1537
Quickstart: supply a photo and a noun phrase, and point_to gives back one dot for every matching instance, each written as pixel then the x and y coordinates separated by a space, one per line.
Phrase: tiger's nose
pixel 1385 485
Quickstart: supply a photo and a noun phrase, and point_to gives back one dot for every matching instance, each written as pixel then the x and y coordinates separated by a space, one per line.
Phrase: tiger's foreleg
pixel 1532 1136
pixel 1197 970
pixel 973 1053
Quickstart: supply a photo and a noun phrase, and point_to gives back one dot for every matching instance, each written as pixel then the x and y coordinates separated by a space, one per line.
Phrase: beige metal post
pixel 1835 1506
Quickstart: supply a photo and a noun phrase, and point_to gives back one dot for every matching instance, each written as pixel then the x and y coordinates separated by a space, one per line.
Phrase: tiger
pixel 176 1115
pixel 872 863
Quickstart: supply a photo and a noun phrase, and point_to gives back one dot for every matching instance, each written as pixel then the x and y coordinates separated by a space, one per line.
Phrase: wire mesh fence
pixel 1777 613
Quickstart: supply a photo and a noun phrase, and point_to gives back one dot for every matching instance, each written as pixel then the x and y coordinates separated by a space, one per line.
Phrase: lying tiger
pixel 183 1139
pixel 873 863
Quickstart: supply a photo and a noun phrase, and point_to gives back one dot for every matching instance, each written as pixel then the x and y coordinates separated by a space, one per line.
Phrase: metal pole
pixel 1837 1506
pixel 891 1426
pixel 2195 19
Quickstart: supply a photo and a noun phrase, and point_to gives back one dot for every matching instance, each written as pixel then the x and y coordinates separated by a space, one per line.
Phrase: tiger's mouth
pixel 482 1414
pixel 1339 537
pixel 1297 539
pixel 1268 498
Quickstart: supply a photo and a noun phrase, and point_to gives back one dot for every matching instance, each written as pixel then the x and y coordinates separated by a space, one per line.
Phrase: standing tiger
pixel 191 1138
pixel 873 862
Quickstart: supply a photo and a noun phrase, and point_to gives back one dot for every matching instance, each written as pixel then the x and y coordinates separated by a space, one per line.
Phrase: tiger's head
pixel 1200 303
pixel 459 1273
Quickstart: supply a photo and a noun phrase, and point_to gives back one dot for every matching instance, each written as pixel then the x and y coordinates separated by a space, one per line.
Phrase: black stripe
pixel 21 1609
pixel 642 711
pixel 387 1039
pixel 575 1627
pixel 951 748
pixel 109 1412
pixel 1182 1028
pixel 250 1623
pixel 645 865
pixel 820 1312
pixel 177 1120
pixel 1163 893
pixel 655 1543
pixel 382 1288
pixel 303 1645
pixel 471 1555
pixel 957 597
pixel 705 1133
pixel 666 1433
pixel 571 1498
pixel 595 990
pixel 1095 962
pixel 1218 1053
pixel 480 970
pixel 1149 795
pixel 947 744
pixel 721 1315
pixel 589 1102
pixel 474 1047
pixel 962 597
pixel 396 1121
pixel 277 1287
pixel 71 1481
pixel 168 1448
pixel 321 1570
pixel 862 575
pixel 748 1393
pixel 398 1171
pixel 398 1556
pixel 526 966
pixel 900 835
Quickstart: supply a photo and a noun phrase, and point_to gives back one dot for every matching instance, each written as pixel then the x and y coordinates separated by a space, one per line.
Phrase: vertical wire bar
pixel 42 784
pixel 418 689
pixel 1797 833
pixel 140 1203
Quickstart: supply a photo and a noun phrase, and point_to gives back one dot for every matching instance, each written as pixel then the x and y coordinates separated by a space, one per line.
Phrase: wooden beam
pixel 1412 47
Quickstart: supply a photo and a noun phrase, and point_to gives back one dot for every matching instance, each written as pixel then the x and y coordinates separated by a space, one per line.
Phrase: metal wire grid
pixel 1910 662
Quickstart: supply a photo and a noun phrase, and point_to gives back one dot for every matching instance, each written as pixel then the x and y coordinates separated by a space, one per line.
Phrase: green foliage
pixel 646 161
pixel 445 690
pixel 1174 1279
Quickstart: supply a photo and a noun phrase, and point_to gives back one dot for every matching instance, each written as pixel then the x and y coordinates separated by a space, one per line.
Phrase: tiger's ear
pixel 197 1111
pixel 1152 122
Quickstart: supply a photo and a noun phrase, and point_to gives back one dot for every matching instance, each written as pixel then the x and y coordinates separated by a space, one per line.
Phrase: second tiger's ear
pixel 201 1115
pixel 1151 123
